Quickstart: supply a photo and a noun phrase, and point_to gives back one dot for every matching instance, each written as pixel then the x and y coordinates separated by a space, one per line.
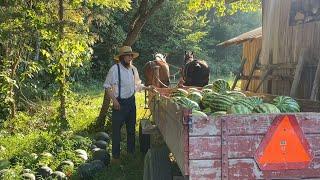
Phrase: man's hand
pixel 116 105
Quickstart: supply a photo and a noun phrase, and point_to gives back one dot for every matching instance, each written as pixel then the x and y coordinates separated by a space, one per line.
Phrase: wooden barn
pixel 289 62
pixel 252 43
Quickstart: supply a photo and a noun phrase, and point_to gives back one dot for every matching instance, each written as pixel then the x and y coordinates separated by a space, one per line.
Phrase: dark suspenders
pixel 119 83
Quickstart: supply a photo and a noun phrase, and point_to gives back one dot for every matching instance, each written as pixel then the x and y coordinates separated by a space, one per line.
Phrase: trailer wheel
pixel 144 140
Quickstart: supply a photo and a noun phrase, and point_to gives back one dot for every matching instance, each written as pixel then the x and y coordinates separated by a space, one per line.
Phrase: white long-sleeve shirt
pixel 129 82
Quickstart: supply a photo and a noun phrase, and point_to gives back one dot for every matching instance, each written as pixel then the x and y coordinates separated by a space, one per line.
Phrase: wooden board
pixel 169 119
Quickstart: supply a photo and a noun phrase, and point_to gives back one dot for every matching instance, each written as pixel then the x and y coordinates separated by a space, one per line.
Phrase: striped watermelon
pixel 209 86
pixel 208 98
pixel 190 90
pixel 286 104
pixel 198 114
pixel 187 103
pixel 266 108
pixel 220 86
pixel 195 96
pixel 236 94
pixel 255 100
pixel 179 92
pixel 238 109
pixel 221 103
pixel 204 91
pixel 245 102
pixel 217 113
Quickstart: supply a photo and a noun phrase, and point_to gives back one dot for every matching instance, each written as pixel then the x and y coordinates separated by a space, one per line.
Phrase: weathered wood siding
pixel 283 43
pixel 250 50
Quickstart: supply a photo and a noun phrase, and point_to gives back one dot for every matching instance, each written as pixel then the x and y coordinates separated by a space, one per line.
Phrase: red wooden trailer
pixel 255 146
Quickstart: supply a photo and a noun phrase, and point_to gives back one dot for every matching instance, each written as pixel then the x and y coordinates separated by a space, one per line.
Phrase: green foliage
pixel 223 61
pixel 225 9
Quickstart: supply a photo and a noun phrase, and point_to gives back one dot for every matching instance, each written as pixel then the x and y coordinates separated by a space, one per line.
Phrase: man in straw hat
pixel 121 84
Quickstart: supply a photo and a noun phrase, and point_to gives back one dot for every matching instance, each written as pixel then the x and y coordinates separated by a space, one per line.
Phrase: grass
pixel 36 131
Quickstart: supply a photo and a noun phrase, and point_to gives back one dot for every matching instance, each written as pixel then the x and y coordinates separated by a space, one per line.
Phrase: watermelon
pixel 195 96
pixel 286 104
pixel 198 114
pixel 207 110
pixel 83 157
pixel 81 151
pixel 236 94
pixel 238 109
pixel 255 100
pixel 221 103
pixel 208 98
pixel 66 166
pixel 58 175
pixel 179 92
pixel 102 136
pixel 26 171
pixel 28 176
pixel 219 113
pixel 204 91
pixel 220 86
pixel 208 86
pixel 97 166
pixel 187 103
pixel 102 155
pixel 245 102
pixel 101 144
pixel 44 171
pixel 190 90
pixel 266 108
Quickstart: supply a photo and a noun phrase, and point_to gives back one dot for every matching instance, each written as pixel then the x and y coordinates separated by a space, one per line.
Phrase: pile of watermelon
pixel 218 99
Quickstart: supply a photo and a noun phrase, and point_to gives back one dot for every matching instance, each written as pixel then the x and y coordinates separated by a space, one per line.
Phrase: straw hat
pixel 124 50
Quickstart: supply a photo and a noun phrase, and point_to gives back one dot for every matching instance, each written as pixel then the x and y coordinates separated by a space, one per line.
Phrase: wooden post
pixel 253 67
pixel 155 80
pixel 264 77
pixel 316 86
pixel 239 73
pixel 297 74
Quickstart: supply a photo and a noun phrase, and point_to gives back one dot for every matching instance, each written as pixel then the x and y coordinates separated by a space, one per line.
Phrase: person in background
pixel 121 84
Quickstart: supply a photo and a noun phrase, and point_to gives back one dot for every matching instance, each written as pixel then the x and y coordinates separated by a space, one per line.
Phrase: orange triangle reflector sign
pixel 284 146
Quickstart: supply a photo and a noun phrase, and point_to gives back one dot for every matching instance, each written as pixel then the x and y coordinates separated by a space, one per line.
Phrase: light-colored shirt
pixel 130 82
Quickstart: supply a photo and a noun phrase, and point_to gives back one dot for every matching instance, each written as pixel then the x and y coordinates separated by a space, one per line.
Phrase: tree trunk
pixel 136 25
pixel 12 103
pixel 62 81
pixel 103 112
pixel 140 19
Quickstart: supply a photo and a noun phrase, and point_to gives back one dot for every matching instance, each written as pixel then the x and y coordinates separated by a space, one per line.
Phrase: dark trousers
pixel 127 115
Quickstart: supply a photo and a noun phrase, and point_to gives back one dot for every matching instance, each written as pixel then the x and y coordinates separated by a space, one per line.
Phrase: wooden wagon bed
pixel 224 147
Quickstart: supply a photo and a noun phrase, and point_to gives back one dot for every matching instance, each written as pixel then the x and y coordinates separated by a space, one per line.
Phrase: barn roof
pixel 253 34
